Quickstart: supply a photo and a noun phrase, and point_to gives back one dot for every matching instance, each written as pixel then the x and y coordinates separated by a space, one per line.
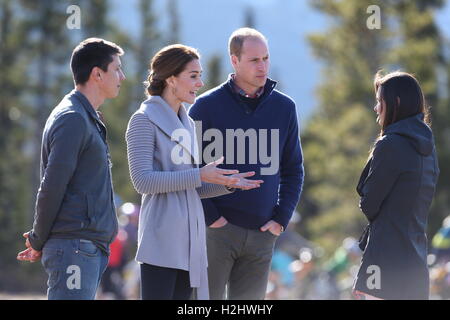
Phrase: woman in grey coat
pixel 163 161
pixel 396 188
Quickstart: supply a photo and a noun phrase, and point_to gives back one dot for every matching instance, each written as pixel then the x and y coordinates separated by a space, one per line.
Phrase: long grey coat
pixel 171 223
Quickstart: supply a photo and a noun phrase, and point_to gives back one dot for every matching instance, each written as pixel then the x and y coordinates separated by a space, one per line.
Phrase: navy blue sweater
pixel 222 109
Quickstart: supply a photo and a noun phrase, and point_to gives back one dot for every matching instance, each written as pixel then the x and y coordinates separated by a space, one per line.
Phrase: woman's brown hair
pixel 169 61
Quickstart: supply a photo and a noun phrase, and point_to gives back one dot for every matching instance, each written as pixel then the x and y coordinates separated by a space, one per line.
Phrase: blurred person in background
pixel 340 267
pixel 281 277
pixel 112 281
pixel 287 247
pixel 439 261
pixel 130 271
pixel 311 281
pixel 440 244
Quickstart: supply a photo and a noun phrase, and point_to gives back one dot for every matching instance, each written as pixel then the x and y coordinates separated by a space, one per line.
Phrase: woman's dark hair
pixel 167 62
pixel 90 53
pixel 402 97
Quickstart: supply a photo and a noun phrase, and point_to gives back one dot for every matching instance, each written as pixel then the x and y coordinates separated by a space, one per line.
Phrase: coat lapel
pixel 189 124
pixel 162 115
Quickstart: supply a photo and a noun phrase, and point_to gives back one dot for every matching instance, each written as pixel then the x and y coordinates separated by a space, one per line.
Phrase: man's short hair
pixel 238 37
pixel 90 53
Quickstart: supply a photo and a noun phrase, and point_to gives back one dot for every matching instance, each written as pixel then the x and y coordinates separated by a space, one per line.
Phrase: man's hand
pixel 274 227
pixel 219 223
pixel 29 254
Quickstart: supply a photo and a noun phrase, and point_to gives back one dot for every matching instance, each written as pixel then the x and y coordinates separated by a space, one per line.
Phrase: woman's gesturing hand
pixel 230 178
pixel 211 174
pixel 245 184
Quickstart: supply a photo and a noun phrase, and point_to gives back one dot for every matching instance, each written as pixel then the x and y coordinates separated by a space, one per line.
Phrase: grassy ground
pixel 28 296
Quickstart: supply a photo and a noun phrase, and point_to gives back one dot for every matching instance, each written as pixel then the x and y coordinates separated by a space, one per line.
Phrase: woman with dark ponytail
pixel 396 188
pixel 163 161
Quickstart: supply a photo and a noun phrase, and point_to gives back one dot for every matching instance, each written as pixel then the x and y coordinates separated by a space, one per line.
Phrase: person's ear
pixel 398 101
pixel 96 74
pixel 170 81
pixel 234 60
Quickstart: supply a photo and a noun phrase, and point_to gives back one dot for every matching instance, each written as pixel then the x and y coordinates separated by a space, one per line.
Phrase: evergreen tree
pixel 115 111
pixel 421 53
pixel 32 80
pixel 14 184
pixel 337 139
pixel 47 70
pixel 214 72
pixel 148 43
pixel 94 18
pixel 118 111
pixel 174 22
pixel 339 135
pixel 249 18
pixel 13 111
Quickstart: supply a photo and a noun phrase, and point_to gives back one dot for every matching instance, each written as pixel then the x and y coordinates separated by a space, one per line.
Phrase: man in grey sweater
pixel 75 219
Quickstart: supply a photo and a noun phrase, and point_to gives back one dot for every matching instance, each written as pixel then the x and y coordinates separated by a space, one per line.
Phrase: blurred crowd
pixel 439 262
pixel 299 270
pixel 121 278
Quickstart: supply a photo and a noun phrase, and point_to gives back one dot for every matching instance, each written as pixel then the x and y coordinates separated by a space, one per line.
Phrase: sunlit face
pixel 188 82
pixel 380 107
pixel 112 78
pixel 253 66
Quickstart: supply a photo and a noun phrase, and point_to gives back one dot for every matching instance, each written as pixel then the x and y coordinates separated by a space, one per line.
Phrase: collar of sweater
pixel 177 128
pixel 268 87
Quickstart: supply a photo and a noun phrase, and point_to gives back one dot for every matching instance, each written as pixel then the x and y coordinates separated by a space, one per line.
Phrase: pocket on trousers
pixel 87 248
pixel 269 233
pixel 226 226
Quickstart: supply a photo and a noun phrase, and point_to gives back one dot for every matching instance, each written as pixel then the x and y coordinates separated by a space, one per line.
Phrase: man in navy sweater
pixel 255 128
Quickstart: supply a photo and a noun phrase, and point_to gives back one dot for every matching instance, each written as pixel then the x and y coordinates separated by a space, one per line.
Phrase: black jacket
pixel 396 189
pixel 75 198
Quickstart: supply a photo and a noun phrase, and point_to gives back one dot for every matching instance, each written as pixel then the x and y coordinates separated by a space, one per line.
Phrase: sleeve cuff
pixel 210 211
pixel 35 243
pixel 280 217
